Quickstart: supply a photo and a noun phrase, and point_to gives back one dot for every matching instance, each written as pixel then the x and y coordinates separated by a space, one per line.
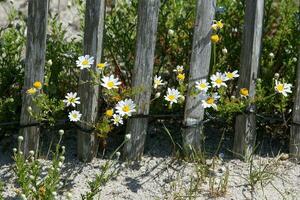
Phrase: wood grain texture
pixel 245 125
pixel 295 128
pixel 34 67
pixel 148 11
pixel 87 144
pixel 199 70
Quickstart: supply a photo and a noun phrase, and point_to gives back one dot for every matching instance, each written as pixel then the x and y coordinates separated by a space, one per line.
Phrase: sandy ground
pixel 68 13
pixel 160 176
pixel 163 178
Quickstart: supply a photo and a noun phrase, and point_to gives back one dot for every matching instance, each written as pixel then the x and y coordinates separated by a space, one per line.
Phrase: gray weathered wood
pixel 148 11
pixel 245 124
pixel 199 69
pixel 34 67
pixel 87 144
pixel 295 128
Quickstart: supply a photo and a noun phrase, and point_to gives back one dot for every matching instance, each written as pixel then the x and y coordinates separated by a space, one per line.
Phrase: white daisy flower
pixel 74 116
pixel 218 80
pixel 179 69
pixel 232 75
pixel 110 82
pixel 125 107
pixel 117 119
pixel 172 95
pixel 157 81
pixel 202 85
pixel 283 88
pixel 210 101
pixel 71 99
pixel 85 62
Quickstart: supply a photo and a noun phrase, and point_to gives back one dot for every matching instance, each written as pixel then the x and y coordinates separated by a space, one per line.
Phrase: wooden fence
pixel 148 11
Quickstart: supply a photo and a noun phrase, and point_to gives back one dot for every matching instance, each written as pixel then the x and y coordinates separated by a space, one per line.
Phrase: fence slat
pixel 87 144
pixel 199 69
pixel 295 128
pixel 148 11
pixel 34 67
pixel 245 124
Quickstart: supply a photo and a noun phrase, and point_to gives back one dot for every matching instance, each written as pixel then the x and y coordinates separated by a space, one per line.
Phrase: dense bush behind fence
pixel 245 126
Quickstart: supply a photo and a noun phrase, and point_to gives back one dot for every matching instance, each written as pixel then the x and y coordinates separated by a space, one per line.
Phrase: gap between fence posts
pixel 245 124
pixel 148 11
pixel 87 142
pixel 34 68
pixel 192 132
pixel 295 128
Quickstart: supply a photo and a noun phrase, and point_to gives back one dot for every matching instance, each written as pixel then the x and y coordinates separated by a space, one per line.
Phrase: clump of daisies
pixel 120 106
pixel 210 92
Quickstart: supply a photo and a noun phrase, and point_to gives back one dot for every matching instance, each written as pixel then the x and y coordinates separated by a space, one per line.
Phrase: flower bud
pixel 61 132
pixel 276 76
pixel 271 55
pixel 294 59
pixel 20 138
pixel 128 136
pixel 29 109
pixel 69 195
pixel 224 51
pixel 31 153
pixel 157 95
pixel 49 62
pixel 118 154
pixel 63 148
pixel 62 158
pixel 171 32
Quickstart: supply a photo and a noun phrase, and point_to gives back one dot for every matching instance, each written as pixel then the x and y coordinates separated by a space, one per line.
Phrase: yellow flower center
pixel 210 100
pixel 244 92
pixel 219 81
pixel 126 108
pixel 101 65
pixel 215 38
pixel 157 82
pixel 180 70
pixel 280 87
pixel 202 85
pixel 181 76
pixel 110 84
pixel 37 85
pixel 31 91
pixel 220 24
pixel 85 62
pixel 171 97
pixel 72 100
pixel 109 112
pixel 214 27
pixel 229 75
pixel 74 115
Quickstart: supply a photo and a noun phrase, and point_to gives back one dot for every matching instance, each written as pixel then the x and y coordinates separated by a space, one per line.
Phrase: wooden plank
pixel 295 128
pixel 34 67
pixel 87 144
pixel 199 69
pixel 245 125
pixel 148 11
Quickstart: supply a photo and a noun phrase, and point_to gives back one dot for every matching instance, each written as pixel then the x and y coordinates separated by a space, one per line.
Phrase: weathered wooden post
pixel 295 128
pixel 245 124
pixel 148 11
pixel 199 69
pixel 34 68
pixel 87 144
